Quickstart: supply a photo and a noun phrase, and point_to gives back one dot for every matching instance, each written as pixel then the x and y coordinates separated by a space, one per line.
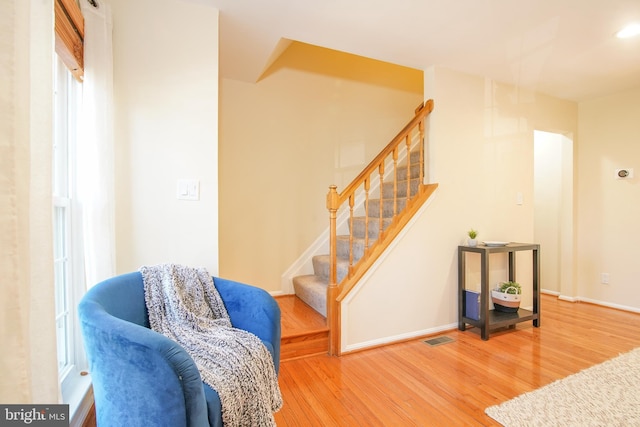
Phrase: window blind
pixel 69 29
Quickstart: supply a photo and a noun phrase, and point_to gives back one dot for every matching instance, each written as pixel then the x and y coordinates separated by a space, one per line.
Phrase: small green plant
pixel 472 233
pixel 510 288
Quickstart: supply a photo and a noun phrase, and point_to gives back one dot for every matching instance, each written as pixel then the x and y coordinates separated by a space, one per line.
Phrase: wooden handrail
pixel 337 291
pixel 419 117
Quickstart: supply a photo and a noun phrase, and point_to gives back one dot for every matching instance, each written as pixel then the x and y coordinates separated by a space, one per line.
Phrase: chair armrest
pixel 164 387
pixel 254 310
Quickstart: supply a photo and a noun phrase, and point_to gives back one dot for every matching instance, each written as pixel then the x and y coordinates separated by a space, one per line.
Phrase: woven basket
pixel 504 302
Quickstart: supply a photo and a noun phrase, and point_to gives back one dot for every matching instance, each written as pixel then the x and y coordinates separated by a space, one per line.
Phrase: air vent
pixel 438 341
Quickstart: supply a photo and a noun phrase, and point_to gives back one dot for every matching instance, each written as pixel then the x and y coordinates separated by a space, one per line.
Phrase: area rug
pixel 607 394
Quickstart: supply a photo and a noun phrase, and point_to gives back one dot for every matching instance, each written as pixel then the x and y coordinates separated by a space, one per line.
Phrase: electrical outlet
pixel 604 278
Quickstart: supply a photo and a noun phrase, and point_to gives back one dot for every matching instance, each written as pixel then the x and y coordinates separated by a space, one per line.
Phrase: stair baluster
pixel 351 203
pixel 395 181
pixel 381 209
pixel 408 143
pixel 366 213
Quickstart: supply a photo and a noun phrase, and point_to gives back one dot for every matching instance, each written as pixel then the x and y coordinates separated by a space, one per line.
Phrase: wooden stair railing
pixel 375 172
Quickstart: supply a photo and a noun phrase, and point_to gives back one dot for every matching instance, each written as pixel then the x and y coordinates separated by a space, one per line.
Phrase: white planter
pixel 472 242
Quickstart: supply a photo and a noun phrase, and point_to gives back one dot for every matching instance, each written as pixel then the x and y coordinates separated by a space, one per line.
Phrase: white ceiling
pixel 565 48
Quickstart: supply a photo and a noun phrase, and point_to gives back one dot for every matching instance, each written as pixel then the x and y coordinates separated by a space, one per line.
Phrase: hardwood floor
pixel 414 384
pixel 90 420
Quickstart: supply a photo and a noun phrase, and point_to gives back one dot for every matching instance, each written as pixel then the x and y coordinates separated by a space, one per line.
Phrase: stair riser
pixel 415 157
pixel 302 346
pixel 343 248
pixel 387 188
pixel 321 269
pixel 387 207
pixel 359 227
pixel 401 172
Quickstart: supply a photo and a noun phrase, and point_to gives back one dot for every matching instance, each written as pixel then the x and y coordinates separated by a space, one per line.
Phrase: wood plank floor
pixel 414 384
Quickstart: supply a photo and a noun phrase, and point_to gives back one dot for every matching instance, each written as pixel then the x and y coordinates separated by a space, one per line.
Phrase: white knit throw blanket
pixel 185 306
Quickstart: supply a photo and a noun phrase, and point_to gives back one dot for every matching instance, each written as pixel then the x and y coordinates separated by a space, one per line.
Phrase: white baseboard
pixel 401 337
pixel 609 305
pixel 430 331
pixel 592 301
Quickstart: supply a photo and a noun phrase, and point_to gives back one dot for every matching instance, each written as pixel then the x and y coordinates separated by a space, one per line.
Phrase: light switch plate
pixel 188 189
pixel 519 198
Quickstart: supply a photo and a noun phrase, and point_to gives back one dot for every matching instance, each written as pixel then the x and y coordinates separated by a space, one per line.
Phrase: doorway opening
pixel 553 210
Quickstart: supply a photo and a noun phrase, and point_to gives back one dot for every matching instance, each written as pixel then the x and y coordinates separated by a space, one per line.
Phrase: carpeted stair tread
pixel 312 290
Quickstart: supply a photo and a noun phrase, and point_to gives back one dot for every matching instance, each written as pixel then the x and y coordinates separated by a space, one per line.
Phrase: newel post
pixel 333 316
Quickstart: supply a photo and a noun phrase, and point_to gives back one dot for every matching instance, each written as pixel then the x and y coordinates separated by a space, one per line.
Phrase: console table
pixel 490 319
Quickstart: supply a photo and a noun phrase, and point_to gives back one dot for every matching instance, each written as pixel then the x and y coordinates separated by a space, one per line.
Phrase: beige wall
pixel 609 208
pixel 316 118
pixel 481 151
pixel 166 115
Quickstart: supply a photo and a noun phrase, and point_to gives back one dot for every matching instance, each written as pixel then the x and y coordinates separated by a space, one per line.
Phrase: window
pixel 69 277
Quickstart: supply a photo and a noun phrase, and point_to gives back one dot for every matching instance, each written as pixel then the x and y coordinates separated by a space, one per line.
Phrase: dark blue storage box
pixel 472 304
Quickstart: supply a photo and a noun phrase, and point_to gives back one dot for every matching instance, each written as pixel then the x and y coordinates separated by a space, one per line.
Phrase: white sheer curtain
pixel 28 363
pixel 95 157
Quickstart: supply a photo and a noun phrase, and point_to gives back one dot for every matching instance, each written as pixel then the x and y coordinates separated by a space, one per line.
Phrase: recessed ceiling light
pixel 629 31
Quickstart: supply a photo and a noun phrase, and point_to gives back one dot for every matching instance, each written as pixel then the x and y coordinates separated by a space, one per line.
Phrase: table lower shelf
pixel 498 319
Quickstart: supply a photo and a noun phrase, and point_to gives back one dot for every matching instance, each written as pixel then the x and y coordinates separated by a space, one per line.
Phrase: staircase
pixel 312 288
pixel 375 206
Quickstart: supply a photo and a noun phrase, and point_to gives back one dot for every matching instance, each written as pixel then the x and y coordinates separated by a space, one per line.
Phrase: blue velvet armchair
pixel 141 378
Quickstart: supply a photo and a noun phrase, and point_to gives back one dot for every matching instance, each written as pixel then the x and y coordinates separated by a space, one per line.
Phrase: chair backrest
pixel 122 297
pixel 140 377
